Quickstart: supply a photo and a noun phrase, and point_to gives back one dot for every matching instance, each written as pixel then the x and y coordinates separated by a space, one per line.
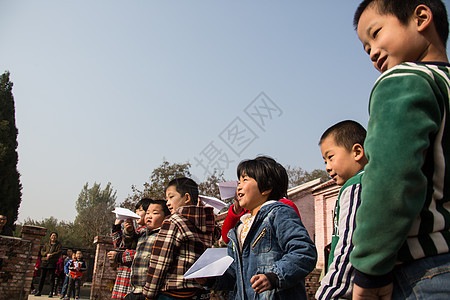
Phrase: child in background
pixel 121 243
pixel 59 272
pixel 272 250
pixel 156 213
pixel 402 233
pixel 76 269
pixel 68 262
pixel 183 237
pixel 342 150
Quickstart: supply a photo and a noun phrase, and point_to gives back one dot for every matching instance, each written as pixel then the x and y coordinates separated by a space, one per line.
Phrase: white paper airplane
pixel 227 189
pixel 213 262
pixel 125 213
pixel 212 202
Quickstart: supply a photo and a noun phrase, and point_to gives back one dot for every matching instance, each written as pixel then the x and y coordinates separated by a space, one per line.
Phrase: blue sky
pixel 105 90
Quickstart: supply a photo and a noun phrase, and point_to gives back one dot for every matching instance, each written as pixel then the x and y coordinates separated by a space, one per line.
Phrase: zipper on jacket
pixel 260 236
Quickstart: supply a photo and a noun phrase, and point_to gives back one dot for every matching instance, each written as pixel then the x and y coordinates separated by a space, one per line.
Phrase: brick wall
pixel 312 283
pixel 104 274
pixel 18 257
pixel 325 197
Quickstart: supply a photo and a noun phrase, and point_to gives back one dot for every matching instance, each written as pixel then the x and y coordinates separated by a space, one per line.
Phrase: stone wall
pixel 104 274
pixel 18 257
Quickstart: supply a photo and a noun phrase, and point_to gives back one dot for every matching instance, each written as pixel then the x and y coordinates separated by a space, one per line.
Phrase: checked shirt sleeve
pixel 126 258
pixel 161 258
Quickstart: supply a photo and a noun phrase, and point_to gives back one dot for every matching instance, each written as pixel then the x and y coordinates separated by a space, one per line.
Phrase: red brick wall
pixel 104 274
pixel 18 257
pixel 325 197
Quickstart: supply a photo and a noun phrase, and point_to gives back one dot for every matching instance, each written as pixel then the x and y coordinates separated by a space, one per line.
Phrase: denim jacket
pixel 277 242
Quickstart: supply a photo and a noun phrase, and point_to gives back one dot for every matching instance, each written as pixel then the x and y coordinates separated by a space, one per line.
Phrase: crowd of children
pixel 391 221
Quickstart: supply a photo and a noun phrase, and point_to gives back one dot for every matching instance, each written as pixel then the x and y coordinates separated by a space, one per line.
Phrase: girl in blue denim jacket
pixel 271 248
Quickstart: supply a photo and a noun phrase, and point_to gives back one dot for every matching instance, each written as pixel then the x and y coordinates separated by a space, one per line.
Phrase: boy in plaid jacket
pixel 183 237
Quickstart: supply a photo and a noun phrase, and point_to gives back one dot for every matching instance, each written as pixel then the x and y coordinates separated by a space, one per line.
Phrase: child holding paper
pixel 271 248
pixel 183 237
pixel 156 213
pixel 122 284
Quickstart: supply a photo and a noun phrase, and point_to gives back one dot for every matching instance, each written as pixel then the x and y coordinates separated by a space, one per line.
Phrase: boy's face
pixel 339 162
pixel 248 194
pixel 79 255
pixel 154 216
pixel 389 42
pixel 175 200
pixel 141 212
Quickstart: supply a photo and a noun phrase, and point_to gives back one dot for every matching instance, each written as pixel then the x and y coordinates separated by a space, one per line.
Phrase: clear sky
pixel 105 90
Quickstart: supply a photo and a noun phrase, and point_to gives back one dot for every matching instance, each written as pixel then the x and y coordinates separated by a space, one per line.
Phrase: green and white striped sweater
pixel 405 209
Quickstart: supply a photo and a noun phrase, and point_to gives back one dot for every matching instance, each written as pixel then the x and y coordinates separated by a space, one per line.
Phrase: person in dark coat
pixel 50 253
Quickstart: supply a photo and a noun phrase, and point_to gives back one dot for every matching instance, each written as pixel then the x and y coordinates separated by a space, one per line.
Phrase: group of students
pixel 391 236
pixel 69 266
pixel 175 232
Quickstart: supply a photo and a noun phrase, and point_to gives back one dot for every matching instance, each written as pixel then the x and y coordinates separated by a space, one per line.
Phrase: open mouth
pixel 380 63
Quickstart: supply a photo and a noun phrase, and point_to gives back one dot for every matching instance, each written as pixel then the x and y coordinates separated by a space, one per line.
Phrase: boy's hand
pixel 128 226
pixel 260 283
pixel 112 255
pixel 383 293
pixel 117 222
pixel 201 281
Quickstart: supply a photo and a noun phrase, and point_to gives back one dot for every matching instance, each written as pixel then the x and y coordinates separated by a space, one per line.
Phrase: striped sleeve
pixel 337 283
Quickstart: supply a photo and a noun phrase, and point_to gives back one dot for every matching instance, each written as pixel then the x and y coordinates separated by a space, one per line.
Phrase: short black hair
pixel 403 9
pixel 184 186
pixel 144 202
pixel 163 204
pixel 268 173
pixel 346 134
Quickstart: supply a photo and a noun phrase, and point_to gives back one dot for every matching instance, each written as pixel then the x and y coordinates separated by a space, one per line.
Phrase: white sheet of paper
pixel 125 213
pixel 212 202
pixel 227 189
pixel 213 262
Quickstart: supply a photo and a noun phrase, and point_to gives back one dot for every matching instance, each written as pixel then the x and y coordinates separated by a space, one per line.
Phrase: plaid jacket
pixel 183 237
pixel 122 285
pixel 139 266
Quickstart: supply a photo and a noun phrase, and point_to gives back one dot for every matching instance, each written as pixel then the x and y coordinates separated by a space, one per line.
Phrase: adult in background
pixel 5 229
pixel 50 254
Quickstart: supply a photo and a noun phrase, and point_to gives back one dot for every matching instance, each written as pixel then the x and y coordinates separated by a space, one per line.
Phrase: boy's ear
pixel 188 199
pixel 358 152
pixel 423 17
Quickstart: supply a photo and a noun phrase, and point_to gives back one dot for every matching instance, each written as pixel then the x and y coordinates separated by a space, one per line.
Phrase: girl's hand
pixel 112 255
pixel 260 283
pixel 237 209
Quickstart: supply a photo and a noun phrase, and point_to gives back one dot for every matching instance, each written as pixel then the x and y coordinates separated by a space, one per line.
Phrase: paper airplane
pixel 227 189
pixel 125 213
pixel 213 262
pixel 212 202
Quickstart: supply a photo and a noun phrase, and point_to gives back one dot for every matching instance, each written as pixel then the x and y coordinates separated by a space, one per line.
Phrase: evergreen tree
pixel 10 187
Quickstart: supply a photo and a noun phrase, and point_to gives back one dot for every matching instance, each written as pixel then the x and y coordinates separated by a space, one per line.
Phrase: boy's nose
pixel 374 54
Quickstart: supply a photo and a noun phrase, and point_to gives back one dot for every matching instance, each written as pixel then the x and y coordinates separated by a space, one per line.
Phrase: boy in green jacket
pixel 402 233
